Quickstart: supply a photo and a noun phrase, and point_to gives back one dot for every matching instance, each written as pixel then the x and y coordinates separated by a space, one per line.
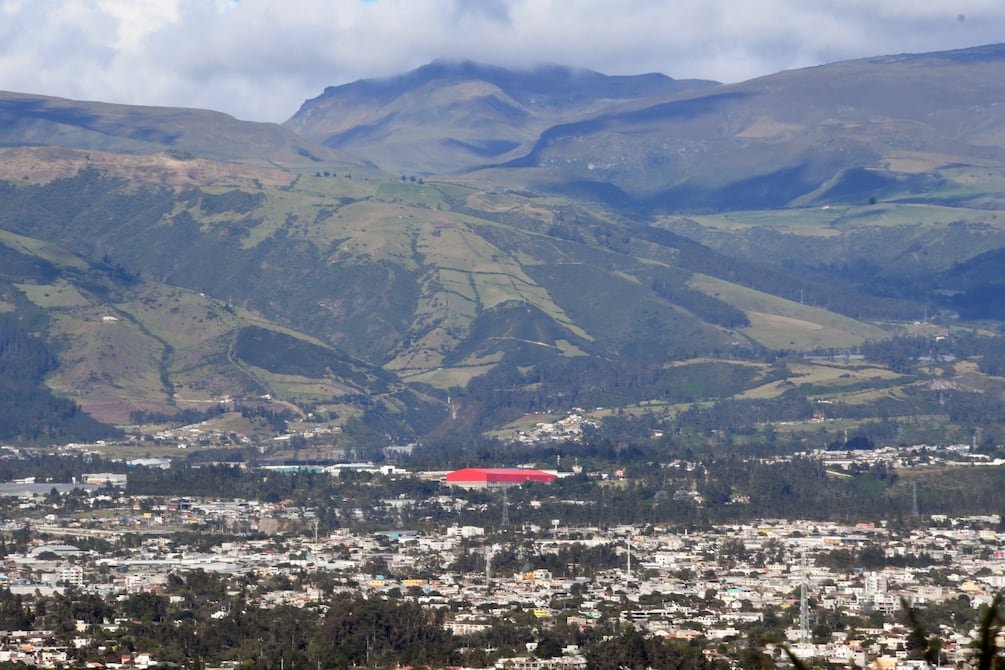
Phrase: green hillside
pixel 286 291
pixel 752 279
pixel 122 345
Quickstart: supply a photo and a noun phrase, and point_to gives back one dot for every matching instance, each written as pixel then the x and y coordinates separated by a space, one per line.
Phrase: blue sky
pixel 260 59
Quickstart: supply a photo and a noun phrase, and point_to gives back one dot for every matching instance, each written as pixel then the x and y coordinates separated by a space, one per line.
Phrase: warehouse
pixel 471 478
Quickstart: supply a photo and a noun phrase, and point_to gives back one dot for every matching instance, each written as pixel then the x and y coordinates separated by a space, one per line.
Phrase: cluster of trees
pixel 349 631
pixel 203 618
pixel 285 354
pixel 182 416
pixel 511 390
pixel 63 468
pixel 905 353
pixel 28 409
pixel 871 557
pixel 741 417
pixel 697 490
pixel 633 650
pixel 239 202
pixel 701 304
pixel 276 419
pixel 232 481
pixel 572 560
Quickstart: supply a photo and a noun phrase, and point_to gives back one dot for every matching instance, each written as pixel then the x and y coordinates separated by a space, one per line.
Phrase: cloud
pixel 495 10
pixel 259 59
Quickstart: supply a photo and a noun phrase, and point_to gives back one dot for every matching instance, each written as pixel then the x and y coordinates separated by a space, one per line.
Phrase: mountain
pixel 34 120
pixel 449 116
pixel 656 248
pixel 370 300
pixel 837 133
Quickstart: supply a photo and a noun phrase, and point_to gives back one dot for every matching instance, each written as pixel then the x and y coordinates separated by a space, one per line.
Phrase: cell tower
pixel 914 499
pixel 628 570
pixel 505 509
pixel 804 610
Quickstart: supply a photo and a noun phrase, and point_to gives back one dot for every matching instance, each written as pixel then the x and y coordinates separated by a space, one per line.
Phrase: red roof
pixel 500 475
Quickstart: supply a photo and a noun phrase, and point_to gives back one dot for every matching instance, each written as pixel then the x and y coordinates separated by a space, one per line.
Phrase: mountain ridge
pixel 813 123
pixel 512 105
pixel 643 253
pixel 35 120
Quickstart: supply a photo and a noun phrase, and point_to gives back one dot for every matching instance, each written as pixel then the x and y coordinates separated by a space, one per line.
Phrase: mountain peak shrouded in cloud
pixel 469 113
pixel 654 143
pixel 255 59
pixel 531 85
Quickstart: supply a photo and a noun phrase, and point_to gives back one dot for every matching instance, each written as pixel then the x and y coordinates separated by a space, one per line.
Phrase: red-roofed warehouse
pixel 496 477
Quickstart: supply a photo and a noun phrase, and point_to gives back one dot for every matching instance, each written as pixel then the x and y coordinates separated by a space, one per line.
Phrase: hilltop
pixel 450 116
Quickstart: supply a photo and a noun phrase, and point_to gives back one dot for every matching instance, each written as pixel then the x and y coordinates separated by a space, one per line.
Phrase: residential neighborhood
pixel 834 592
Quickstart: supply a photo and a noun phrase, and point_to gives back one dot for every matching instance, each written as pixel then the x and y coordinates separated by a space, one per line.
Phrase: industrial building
pixel 471 478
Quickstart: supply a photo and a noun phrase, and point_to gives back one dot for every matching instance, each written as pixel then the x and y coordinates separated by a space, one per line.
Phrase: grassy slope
pixel 35 165
pixel 462 275
pixel 835 376
pixel 108 367
pixel 461 272
pixel 834 220
pixel 153 347
pixel 777 323
pixel 472 251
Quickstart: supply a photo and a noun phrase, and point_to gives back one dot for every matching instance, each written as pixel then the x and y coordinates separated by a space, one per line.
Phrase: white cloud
pixel 135 21
pixel 259 59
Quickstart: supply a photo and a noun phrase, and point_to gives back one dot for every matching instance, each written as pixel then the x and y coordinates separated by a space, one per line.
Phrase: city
pixel 831 593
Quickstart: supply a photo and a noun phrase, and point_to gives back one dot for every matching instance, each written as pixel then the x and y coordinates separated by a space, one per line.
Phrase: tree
pixel 548 646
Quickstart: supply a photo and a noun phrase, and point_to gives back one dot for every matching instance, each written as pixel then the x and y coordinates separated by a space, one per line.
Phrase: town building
pixel 471 478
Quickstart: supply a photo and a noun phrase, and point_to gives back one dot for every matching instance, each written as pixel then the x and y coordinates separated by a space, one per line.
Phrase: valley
pixel 483 367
